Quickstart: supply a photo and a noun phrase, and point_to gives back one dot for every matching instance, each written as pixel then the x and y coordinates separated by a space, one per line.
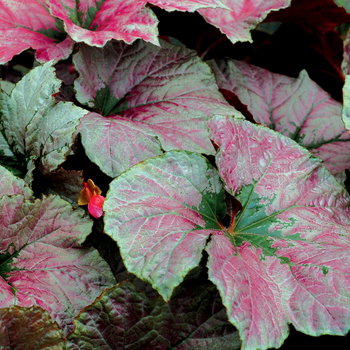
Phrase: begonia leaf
pixel 29 328
pixel 116 143
pixel 297 108
pixel 122 318
pixel 10 184
pixel 96 22
pixel 28 24
pixel 311 15
pixel 241 17
pixel 163 97
pixel 41 259
pixel 155 213
pixel 285 259
pixel 34 126
pixel 8 158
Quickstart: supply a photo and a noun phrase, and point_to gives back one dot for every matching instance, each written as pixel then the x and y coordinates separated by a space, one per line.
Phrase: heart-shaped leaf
pixel 28 23
pixel 241 16
pixel 123 318
pixel 34 126
pixel 41 260
pixel 297 108
pixel 285 258
pixel 29 328
pixel 163 95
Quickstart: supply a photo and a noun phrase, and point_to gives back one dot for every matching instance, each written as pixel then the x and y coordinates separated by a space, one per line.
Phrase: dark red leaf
pixel 319 15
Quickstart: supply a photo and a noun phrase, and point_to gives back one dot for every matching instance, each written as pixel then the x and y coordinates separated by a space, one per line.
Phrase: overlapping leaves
pixel 297 108
pixel 284 260
pixel 122 318
pixel 156 98
pixel 43 25
pixel 41 259
pixel 35 130
pixel 96 22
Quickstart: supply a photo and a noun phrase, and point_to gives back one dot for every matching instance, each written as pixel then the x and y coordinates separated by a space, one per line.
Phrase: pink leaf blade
pixel 241 17
pixel 47 265
pixel 297 108
pixel 37 30
pixel 95 23
pixel 166 90
pixel 153 212
pixel 250 295
pixel 294 234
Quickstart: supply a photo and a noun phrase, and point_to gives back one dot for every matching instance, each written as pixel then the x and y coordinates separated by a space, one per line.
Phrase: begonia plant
pixel 174 174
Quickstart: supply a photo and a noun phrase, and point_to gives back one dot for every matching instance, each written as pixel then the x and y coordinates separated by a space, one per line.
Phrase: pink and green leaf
pixel 163 98
pixel 29 328
pixel 297 108
pixel 11 185
pixel 161 212
pixel 285 259
pixel 28 24
pixel 241 16
pixel 288 258
pixel 96 22
pixel 42 261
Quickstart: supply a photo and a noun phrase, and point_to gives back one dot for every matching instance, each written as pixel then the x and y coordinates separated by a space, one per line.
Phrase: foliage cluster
pixel 173 174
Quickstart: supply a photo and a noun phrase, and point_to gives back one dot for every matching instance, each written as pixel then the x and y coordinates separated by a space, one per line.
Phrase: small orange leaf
pixel 89 190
